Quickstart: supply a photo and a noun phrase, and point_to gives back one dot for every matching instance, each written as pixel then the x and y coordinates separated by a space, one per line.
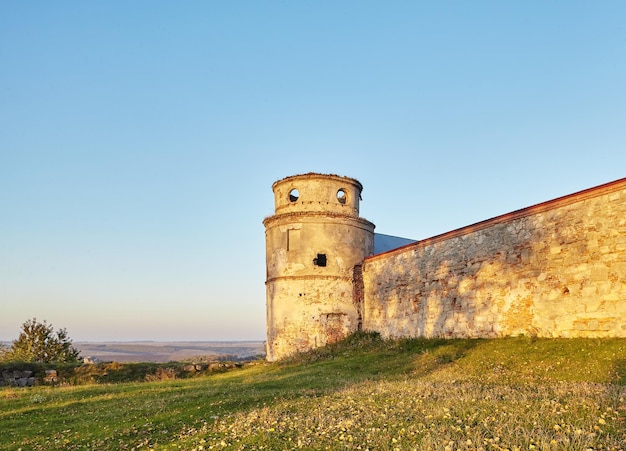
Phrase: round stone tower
pixel 313 241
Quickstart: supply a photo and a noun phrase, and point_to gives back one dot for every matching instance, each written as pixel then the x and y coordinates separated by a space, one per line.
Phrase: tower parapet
pixel 313 241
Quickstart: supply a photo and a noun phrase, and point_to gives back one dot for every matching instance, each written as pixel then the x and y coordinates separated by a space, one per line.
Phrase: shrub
pixel 38 343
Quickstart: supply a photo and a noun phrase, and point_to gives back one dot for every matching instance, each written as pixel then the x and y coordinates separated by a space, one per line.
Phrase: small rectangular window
pixel 293 239
pixel 320 260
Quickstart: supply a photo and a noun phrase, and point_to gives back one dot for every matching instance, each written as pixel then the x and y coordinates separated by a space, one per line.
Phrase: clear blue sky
pixel 139 140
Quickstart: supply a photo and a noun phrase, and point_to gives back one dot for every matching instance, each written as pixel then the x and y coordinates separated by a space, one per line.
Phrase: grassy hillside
pixel 363 393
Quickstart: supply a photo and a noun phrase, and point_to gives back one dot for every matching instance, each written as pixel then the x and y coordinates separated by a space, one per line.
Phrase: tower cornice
pixel 315 217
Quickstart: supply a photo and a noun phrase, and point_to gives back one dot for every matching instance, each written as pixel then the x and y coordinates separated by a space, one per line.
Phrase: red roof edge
pixel 569 199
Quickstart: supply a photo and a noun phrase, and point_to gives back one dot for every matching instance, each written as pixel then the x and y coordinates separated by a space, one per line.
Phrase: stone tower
pixel 313 242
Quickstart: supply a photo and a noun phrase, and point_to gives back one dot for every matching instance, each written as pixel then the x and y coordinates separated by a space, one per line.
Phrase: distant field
pixel 155 351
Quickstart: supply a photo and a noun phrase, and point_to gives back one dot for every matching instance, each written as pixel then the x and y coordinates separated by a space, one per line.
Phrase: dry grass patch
pixel 412 414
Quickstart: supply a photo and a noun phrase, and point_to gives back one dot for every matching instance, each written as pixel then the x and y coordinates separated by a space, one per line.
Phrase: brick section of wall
pixel 557 269
pixel 358 292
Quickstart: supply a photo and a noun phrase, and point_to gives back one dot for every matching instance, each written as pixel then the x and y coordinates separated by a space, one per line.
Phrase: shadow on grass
pixel 620 369
pixel 366 356
pixel 514 360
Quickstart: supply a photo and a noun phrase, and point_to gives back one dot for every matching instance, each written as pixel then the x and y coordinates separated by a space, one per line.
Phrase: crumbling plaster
pixel 557 269
pixel 313 241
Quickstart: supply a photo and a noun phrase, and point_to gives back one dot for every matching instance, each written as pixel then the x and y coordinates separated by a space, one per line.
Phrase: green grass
pixel 115 372
pixel 363 393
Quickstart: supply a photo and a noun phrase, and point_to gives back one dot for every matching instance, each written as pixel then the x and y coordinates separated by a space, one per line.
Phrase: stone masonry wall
pixel 557 269
pixel 26 378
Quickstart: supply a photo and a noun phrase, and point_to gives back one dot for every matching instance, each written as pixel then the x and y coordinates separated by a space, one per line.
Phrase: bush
pixel 38 343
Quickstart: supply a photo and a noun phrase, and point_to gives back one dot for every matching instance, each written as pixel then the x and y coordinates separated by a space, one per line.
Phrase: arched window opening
pixel 342 196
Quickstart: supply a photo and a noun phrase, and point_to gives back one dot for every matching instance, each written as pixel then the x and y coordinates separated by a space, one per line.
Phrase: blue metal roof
pixel 384 243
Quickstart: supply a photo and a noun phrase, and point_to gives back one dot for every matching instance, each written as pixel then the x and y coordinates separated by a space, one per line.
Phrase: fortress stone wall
pixel 556 269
